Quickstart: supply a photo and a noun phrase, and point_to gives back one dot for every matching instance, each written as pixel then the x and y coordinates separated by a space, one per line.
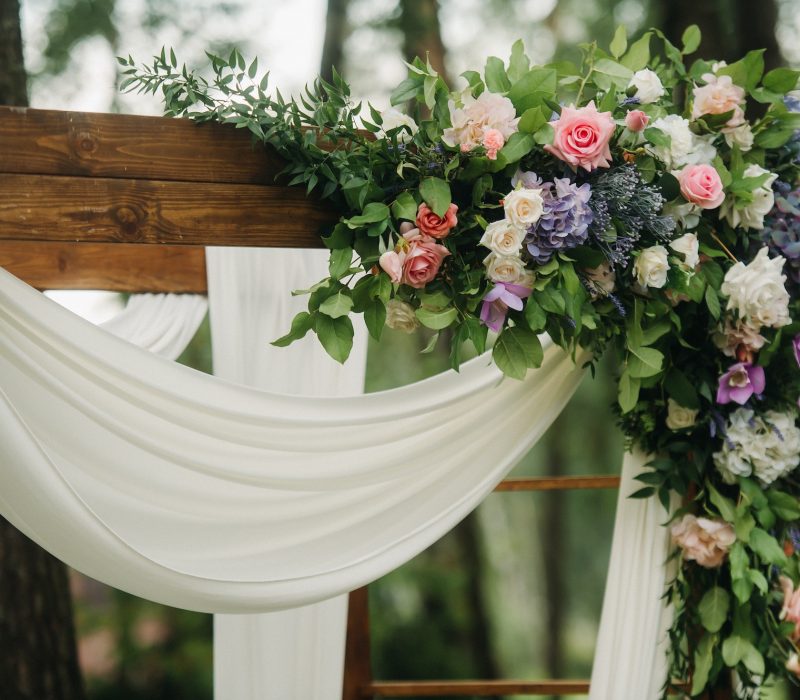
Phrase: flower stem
pixel 723 246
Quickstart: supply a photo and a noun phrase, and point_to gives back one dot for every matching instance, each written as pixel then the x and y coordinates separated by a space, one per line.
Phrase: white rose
pixel 651 267
pixel 524 206
pixel 687 215
pixel 648 86
pixel 679 416
pixel 688 246
pixel 503 238
pixel 751 216
pixel 393 119
pixel 505 268
pixel 741 136
pixel 757 291
pixel 400 316
pixel 685 147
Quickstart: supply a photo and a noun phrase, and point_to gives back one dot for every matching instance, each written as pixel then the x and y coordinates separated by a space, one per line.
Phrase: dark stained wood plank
pixel 405 689
pixel 106 210
pixel 115 267
pixel 558 483
pixel 47 142
pixel 357 659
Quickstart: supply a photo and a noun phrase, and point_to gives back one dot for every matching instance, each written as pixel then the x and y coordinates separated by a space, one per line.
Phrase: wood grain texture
pixel 357 660
pixel 115 267
pixel 108 210
pixel 405 689
pixel 559 483
pixel 48 142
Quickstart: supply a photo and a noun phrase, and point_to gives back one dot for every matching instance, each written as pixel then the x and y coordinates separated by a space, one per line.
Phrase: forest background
pixel 516 589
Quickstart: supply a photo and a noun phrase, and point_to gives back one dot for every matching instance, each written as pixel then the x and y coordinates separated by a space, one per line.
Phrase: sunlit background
pixel 515 591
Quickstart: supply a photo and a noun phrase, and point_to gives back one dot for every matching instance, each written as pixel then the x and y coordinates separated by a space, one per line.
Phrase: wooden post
pixel 357 659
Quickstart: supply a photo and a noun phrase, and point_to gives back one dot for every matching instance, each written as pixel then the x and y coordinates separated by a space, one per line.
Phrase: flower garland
pixel 632 204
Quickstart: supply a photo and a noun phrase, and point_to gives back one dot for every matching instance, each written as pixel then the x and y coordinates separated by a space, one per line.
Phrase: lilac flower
pixel 740 382
pixel 498 300
pixel 781 230
pixel 565 220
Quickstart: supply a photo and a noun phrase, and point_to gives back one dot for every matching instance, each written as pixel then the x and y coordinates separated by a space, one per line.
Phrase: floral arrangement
pixel 636 203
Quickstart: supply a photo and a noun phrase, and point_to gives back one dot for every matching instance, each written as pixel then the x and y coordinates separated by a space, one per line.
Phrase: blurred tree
pixel 422 35
pixel 336 32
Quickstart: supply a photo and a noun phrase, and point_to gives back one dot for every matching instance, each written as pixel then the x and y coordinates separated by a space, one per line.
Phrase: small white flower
pixel 688 246
pixel 679 416
pixel 651 267
pixel 506 268
pixel 757 291
pixel 686 148
pixel 523 206
pixel 400 316
pixel 392 119
pixel 503 238
pixel 648 86
pixel 752 215
pixel 741 136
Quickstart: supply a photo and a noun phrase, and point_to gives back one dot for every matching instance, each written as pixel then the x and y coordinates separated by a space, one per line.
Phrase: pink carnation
pixel 703 540
pixel 492 141
pixel 701 185
pixel 423 261
pixel 582 136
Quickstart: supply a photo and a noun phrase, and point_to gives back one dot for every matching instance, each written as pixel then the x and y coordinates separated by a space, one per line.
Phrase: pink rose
pixel 791 605
pixel 436 226
pixel 582 136
pixel 422 262
pixel 493 141
pixel 392 264
pixel 703 540
pixel 701 185
pixel 636 120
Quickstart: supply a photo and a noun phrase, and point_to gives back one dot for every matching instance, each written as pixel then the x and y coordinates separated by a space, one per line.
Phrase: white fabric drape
pixel 295 654
pixel 630 659
pixel 202 494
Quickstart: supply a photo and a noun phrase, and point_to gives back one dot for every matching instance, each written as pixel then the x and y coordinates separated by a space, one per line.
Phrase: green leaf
pixel 517 147
pixel 691 39
pixel 535 315
pixel 531 89
pixel 339 262
pixel 519 63
pixel 657 137
pixel 638 54
pixel 725 506
pixel 496 77
pixel 336 335
pixel 340 237
pixel 737 649
pixel 620 42
pixel 713 608
pixel 650 358
pixel 781 80
pixel 712 301
pixel 532 120
pixel 703 660
pixel 436 193
pixel 544 135
pixel 619 74
pixel 747 71
pixel 767 547
pixel 628 392
pixel 744 526
pixel 337 305
pixel 516 350
pixel 375 318
pixel 784 505
pixel 681 389
pixel 301 324
pixel 436 319
pixel 372 213
pixel 404 207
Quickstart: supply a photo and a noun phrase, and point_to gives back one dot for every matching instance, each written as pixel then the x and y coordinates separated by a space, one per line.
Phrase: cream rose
pixel 718 96
pixel 757 291
pixel 505 268
pixel 689 247
pixel 752 215
pixel 394 119
pixel 685 147
pixel 648 86
pixel 741 136
pixel 400 316
pixel 477 116
pixel 703 540
pixel 651 267
pixel 503 238
pixel 678 416
pixel 523 206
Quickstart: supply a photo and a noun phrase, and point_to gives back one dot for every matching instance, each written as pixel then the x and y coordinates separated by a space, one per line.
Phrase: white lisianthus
pixel 688 246
pixel 393 119
pixel 686 148
pixel 741 136
pixel 523 206
pixel 678 416
pixel 651 267
pixel 505 268
pixel 648 86
pixel 503 238
pixel 757 291
pixel 752 215
pixel 400 316
pixel 767 446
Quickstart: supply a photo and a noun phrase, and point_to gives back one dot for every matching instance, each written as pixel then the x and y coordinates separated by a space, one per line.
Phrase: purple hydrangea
pixel 565 219
pixel 781 230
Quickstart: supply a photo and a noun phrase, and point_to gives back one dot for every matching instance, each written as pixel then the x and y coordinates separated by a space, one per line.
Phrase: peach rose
pixel 636 120
pixel 717 96
pixel 701 185
pixel 422 262
pixel 581 137
pixel 391 263
pixel 436 226
pixel 703 540
pixel 791 605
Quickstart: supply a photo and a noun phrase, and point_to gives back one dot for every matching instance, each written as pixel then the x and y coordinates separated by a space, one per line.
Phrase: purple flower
pixel 565 219
pixel 498 300
pixel 796 348
pixel 781 230
pixel 740 382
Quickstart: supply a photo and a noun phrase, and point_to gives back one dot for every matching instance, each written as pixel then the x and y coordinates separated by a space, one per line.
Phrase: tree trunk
pixel 37 637
pixel 336 31
pixel 422 36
